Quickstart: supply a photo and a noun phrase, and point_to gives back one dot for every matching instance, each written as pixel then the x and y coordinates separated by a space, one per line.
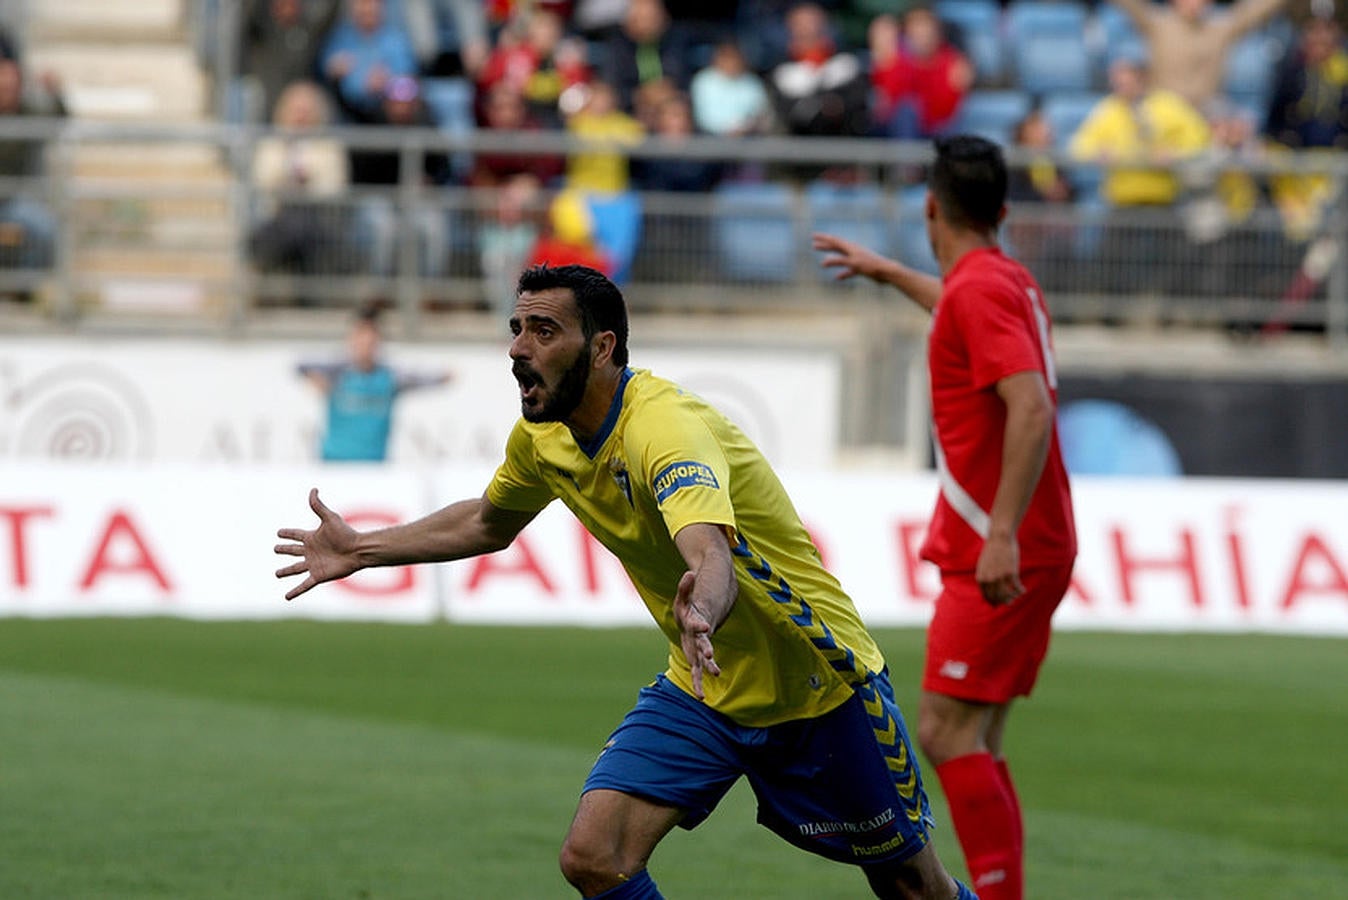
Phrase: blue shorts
pixel 845 785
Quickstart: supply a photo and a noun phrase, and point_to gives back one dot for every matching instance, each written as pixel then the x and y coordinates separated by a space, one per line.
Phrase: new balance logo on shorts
pixel 954 668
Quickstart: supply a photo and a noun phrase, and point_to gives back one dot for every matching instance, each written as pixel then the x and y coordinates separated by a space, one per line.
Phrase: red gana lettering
pixel 399 580
pixel 517 560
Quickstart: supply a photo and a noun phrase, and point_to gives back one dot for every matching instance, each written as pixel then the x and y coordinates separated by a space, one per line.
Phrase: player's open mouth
pixel 529 382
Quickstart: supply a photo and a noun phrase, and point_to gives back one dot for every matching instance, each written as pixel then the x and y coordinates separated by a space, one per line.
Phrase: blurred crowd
pixel 1157 89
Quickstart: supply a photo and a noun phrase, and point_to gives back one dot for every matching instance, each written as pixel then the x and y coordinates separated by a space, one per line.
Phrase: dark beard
pixel 570 391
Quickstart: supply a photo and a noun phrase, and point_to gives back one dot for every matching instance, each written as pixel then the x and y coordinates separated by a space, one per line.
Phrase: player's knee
pixel 939 737
pixel 588 867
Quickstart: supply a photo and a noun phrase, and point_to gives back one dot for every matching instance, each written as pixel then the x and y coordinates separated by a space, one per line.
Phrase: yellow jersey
pixel 793 644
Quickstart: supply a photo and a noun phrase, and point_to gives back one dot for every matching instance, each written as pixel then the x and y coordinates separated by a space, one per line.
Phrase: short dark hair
pixel 968 180
pixel 599 301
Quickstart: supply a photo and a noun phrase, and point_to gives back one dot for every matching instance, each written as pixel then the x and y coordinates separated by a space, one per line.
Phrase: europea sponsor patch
pixel 676 476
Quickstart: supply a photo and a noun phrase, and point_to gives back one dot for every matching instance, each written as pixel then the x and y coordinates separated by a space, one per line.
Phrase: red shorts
pixel 990 654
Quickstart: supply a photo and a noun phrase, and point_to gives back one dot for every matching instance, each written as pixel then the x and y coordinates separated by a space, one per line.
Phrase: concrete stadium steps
pixel 105 20
pixel 153 226
pixel 127 81
pixel 168 163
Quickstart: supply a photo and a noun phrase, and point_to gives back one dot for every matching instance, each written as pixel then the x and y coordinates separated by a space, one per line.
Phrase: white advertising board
pixel 1181 555
pixel 216 401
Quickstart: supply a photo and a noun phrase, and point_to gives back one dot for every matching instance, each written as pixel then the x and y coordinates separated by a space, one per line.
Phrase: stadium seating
pixel 1249 70
pixel 910 231
pixel 1065 112
pixel 450 101
pixel 1047 62
pixel 994 114
pixel 754 232
pixel 854 212
pixel 977 27
pixel 617 228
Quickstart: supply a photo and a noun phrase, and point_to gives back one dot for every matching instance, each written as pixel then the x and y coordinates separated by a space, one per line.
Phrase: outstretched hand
pixel 327 553
pixel 695 634
pixel 848 257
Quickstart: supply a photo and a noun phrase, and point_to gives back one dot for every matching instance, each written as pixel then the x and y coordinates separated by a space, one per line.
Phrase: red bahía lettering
pixel 518 560
pixel 121 531
pixel 1314 554
pixel 399 580
pixel 1184 564
pixel 18 517
pixel 1235 549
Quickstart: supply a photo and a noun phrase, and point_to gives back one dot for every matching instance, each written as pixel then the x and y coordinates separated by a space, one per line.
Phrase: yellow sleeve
pixel 517 484
pixel 683 466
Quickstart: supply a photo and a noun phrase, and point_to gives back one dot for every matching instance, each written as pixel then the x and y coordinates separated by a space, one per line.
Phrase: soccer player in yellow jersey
pixel 771 674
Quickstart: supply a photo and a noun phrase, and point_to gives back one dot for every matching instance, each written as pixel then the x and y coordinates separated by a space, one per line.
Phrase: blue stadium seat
pixel 617 228
pixel 1045 62
pixel 913 246
pixel 1065 113
pixel 1061 17
pixel 1114 26
pixel 994 114
pixel 1250 65
pixel 977 26
pixel 754 232
pixel 450 101
pixel 1115 37
pixel 856 213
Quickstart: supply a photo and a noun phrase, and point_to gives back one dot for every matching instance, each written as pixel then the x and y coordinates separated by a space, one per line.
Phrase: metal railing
pixel 742 247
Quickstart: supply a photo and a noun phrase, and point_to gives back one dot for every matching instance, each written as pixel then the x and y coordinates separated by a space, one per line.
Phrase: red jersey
pixel 991 322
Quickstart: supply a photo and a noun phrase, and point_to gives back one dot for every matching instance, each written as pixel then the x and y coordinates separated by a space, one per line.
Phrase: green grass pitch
pixel 173 759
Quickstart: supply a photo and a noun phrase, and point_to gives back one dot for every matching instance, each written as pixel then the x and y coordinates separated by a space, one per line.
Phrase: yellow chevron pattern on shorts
pixel 886 729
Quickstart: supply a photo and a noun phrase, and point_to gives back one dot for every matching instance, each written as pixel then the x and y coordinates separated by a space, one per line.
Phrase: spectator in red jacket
pixel 919 78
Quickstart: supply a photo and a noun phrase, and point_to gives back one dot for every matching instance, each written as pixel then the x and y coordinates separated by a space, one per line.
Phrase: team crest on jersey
pixel 676 476
pixel 618 469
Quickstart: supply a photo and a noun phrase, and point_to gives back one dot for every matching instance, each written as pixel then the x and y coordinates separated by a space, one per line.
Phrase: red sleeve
pixel 996 330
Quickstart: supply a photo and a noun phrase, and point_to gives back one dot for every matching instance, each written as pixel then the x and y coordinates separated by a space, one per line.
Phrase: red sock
pixel 986 824
pixel 1010 787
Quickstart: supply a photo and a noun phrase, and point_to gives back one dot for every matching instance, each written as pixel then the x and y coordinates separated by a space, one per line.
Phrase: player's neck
pixel 961 242
pixel 589 416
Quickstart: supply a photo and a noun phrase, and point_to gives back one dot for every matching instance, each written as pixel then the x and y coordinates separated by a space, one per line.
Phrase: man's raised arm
pixel 335 550
pixel 851 259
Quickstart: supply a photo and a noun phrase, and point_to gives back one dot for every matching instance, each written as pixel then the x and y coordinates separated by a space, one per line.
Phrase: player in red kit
pixel 1002 533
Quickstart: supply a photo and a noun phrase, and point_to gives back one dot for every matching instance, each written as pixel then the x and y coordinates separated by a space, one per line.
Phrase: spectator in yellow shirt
pixel 604 169
pixel 1138 134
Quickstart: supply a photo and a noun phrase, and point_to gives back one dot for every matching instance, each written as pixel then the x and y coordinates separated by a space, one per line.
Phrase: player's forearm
pixel 705 550
pixel 454 532
pixel 715 590
pixel 921 288
pixel 1029 429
